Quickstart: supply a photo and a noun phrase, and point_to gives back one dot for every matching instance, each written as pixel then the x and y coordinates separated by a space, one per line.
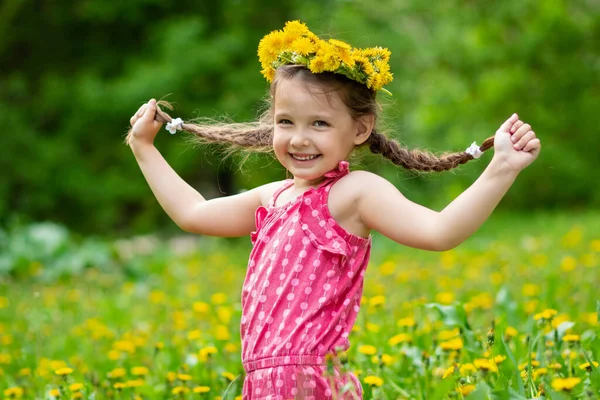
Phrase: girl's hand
pixel 143 125
pixel 516 144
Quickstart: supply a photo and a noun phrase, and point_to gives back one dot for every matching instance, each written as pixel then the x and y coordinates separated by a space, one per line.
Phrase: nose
pixel 299 139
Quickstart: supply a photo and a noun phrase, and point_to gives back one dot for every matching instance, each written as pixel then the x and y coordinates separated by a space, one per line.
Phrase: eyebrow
pixel 314 116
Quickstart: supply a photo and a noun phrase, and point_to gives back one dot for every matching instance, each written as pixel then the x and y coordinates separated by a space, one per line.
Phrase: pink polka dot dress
pixel 300 298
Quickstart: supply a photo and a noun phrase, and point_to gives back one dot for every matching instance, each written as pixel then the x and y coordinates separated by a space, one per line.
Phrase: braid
pixel 417 159
pixel 254 136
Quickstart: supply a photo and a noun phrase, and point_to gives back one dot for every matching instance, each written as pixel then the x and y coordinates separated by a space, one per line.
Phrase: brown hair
pixel 257 136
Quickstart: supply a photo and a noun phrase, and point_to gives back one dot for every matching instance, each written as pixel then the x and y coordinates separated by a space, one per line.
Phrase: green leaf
pixel 443 388
pixel 512 359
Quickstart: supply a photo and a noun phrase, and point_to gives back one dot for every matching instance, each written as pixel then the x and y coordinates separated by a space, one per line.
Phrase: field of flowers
pixel 510 314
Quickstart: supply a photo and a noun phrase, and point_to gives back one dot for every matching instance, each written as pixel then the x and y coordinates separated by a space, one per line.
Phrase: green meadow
pixel 510 314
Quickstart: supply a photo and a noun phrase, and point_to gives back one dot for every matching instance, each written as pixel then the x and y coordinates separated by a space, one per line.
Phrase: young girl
pixel 311 234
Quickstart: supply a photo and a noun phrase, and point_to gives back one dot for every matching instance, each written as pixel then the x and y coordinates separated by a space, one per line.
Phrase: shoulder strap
pixel 287 183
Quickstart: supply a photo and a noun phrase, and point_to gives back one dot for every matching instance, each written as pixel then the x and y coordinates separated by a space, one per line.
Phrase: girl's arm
pixel 383 208
pixel 224 216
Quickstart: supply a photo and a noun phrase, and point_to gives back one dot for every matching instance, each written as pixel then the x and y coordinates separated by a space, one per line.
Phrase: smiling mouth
pixel 304 157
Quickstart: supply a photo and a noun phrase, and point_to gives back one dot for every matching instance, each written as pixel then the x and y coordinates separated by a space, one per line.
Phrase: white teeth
pixel 305 158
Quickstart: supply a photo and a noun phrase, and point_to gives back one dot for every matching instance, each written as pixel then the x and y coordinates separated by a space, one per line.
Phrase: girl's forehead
pixel 295 93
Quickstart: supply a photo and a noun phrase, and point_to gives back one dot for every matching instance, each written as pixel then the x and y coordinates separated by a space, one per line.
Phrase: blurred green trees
pixel 74 72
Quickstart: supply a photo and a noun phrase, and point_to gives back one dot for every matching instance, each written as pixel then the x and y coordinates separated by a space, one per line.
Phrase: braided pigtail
pixel 254 136
pixel 417 159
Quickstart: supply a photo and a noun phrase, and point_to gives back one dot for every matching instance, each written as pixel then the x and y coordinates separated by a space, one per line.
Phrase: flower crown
pixel 296 45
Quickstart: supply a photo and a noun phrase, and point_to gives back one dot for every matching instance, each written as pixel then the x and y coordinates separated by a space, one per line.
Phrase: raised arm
pixel 383 208
pixel 224 216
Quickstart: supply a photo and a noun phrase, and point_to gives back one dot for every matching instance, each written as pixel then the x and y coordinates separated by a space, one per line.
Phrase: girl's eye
pixel 285 121
pixel 321 123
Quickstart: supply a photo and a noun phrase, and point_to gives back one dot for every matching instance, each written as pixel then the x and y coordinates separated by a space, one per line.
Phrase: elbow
pixel 445 241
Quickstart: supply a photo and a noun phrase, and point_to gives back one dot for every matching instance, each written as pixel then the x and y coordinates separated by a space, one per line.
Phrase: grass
pixel 510 313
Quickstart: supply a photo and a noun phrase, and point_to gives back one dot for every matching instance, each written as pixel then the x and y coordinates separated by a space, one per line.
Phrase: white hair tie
pixel 473 150
pixel 174 125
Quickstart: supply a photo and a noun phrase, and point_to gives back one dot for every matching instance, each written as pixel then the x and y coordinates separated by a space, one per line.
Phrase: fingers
pixel 150 110
pixel 516 126
pixel 525 139
pixel 142 111
pixel 525 128
pixel 533 146
pixel 509 122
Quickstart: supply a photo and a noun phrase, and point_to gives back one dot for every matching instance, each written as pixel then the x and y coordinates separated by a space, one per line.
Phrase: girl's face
pixel 312 133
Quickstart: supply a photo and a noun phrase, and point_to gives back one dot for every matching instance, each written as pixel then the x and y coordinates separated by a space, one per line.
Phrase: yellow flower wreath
pixel 296 45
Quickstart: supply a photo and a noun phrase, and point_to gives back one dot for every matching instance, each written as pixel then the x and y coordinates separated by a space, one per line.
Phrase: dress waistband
pixel 276 361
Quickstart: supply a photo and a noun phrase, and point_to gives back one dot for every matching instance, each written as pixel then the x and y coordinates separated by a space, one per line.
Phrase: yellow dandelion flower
pixel 139 371
pixel 499 358
pixel 453 344
pixel 228 375
pixel 64 371
pixel 54 392
pixel 119 386
pixel 296 27
pixel 547 314
pixel 179 390
pixel 555 365
pixel 571 338
pixel 201 307
pixel 466 389
pixel 171 376
pixel 373 380
pixel 448 334
pixel 117 373
pixel 269 47
pixel 222 333
pixel 367 349
pixel 587 367
pixel 451 370
pixel 268 73
pixel 564 384
pixel 340 44
pixel 206 352
pixel 135 383
pixel 371 327
pixel 539 372
pixel 377 301
pixel 407 322
pixel 400 338
pixel 77 395
pixel 184 377
pixel 388 267
pixel 14 392
pixel 194 335
pixel 75 386
pixel 202 389
pixel 510 332
pixel 485 365
pixel 303 46
pixel 317 65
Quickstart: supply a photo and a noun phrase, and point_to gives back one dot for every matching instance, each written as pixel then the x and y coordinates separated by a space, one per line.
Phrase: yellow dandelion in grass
pixel 117 373
pixel 64 371
pixel 230 347
pixel 587 366
pixel 534 363
pixel 485 364
pixel 184 377
pixel 400 338
pixel 74 387
pixel 373 380
pixel 371 327
pixel 467 369
pixel 564 384
pixel 119 386
pixel 201 389
pixel 194 335
pixel 499 358
pixel 201 307
pixel 531 289
pixel 388 267
pixel 25 372
pixel 453 369
pixel 367 349
pixel 54 392
pixel 571 338
pixel 510 332
pixel 205 353
pixel 139 371
pixel 448 334
pixel 407 322
pixel 466 389
pixel 135 383
pixel 453 344
pixel 222 333
pixel 377 301
pixel 77 395
pixel 171 376
pixel 547 314
pixel 555 365
pixel 539 372
pixel 228 375
pixel 385 359
pixel 595 245
pixel 180 390
pixel 14 392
